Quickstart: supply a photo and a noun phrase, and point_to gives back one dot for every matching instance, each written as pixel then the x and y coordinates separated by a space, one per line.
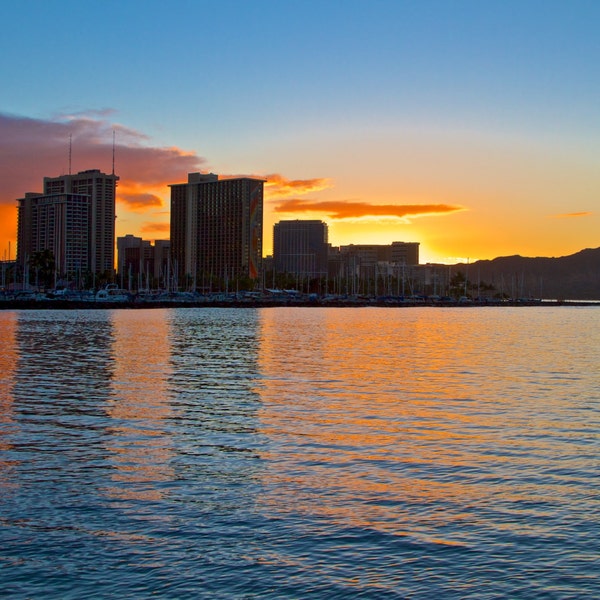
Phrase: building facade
pixel 300 248
pixel 368 255
pixel 405 253
pixel 74 218
pixel 161 252
pixel 216 230
pixel 146 262
pixel 59 223
pixel 101 190
pixel 129 254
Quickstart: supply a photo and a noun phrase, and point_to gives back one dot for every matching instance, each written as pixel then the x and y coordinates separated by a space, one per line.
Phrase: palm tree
pixel 43 265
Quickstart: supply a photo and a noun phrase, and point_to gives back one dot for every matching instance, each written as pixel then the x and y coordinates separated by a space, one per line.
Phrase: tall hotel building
pixel 74 217
pixel 300 247
pixel 216 229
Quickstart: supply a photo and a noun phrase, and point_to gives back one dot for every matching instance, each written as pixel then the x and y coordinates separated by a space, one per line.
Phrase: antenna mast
pixel 113 158
pixel 70 136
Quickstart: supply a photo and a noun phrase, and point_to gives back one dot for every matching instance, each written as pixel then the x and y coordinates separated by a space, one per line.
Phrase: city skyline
pixel 471 128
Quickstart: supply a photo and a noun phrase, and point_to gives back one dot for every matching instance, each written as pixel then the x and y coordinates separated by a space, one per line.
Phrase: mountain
pixel 574 277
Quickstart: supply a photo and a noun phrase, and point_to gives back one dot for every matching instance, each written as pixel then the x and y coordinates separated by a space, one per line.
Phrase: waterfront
pixel 300 453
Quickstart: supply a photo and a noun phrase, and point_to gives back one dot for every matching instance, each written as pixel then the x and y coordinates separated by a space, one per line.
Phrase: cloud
pixel 156 228
pixel 573 214
pixel 342 209
pixel 140 202
pixel 31 149
pixel 279 186
pixel 137 197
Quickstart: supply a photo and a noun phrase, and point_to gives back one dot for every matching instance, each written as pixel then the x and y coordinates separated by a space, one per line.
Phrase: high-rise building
pixel 300 248
pixel 162 259
pixel 129 254
pixel 136 256
pixel 405 253
pixel 216 230
pixel 101 190
pixel 56 222
pixel 74 217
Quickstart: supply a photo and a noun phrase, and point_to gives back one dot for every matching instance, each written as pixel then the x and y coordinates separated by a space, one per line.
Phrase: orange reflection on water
pixel 8 367
pixel 362 404
pixel 8 362
pixel 139 404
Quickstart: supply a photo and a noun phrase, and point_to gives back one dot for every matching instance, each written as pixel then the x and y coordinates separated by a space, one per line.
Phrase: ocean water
pixel 300 453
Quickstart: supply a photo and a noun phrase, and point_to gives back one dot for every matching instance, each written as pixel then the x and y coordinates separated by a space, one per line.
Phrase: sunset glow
pixel 476 143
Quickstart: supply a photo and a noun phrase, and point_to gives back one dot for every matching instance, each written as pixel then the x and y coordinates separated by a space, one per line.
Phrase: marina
pixel 123 299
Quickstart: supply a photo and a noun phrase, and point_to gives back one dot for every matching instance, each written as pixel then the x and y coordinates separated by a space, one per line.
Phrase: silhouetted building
pixel 162 259
pixel 216 230
pixel 300 248
pixel 368 255
pixel 138 257
pixel 128 248
pixel 405 253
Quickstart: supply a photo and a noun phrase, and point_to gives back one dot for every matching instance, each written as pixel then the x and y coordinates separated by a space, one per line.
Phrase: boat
pixel 112 293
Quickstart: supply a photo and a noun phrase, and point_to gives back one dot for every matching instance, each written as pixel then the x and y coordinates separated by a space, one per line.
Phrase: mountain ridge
pixel 572 277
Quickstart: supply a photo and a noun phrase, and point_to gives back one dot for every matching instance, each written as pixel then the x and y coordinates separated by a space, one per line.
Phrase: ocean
pixel 300 453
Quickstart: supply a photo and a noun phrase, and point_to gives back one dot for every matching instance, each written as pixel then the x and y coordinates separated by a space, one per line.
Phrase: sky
pixel 471 127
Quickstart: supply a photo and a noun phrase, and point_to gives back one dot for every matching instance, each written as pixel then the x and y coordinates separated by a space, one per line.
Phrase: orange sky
pixel 493 200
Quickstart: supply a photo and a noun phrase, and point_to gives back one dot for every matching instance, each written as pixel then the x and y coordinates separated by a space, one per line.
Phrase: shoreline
pixel 56 304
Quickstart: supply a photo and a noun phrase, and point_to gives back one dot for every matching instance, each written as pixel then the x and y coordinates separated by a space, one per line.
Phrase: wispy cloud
pixel 150 228
pixel 278 186
pixel 343 209
pixel 573 215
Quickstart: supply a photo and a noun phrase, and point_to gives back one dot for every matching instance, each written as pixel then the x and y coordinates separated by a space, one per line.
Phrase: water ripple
pixel 300 453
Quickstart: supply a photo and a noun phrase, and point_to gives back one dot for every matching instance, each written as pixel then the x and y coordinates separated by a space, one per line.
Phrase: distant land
pixel 574 277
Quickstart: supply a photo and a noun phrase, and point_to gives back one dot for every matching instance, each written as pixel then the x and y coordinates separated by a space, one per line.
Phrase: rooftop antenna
pixel 70 136
pixel 113 158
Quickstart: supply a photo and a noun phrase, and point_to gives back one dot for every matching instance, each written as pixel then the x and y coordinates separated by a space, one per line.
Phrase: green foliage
pixel 42 268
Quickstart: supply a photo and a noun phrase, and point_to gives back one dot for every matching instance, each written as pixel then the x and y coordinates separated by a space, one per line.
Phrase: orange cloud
pixel 573 214
pixel 277 185
pixel 140 202
pixel 136 197
pixel 341 209
pixel 155 228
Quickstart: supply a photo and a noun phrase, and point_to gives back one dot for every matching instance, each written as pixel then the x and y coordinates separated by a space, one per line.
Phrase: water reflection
pixel 64 358
pixel 61 378
pixel 299 453
pixel 213 358
pixel 8 366
pixel 139 439
pixel 58 386
pixel 407 420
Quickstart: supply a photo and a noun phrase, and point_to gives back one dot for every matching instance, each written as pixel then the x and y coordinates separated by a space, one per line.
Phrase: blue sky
pixel 487 106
